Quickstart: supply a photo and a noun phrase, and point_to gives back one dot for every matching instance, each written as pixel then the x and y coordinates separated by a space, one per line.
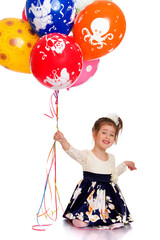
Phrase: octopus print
pixel 99 34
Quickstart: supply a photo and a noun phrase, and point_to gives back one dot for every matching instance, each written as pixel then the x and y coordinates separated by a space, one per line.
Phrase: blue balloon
pixel 50 16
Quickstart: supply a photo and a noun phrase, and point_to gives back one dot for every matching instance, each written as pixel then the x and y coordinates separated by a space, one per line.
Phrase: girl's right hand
pixel 59 137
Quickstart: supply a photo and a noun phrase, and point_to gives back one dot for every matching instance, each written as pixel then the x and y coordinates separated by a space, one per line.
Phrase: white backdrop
pixel 127 82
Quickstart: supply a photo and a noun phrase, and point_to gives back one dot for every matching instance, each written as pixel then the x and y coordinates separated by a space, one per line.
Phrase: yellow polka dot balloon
pixel 16 42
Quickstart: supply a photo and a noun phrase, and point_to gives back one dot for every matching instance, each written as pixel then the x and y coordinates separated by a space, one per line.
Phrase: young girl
pixel 97 199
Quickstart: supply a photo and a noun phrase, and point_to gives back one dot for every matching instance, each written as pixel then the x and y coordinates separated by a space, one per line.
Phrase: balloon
pixel 49 16
pixel 88 70
pixel 24 14
pixel 83 3
pixel 99 28
pixel 16 41
pixel 56 61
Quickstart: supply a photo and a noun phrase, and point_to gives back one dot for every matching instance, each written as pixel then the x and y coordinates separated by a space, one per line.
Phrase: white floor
pixel 63 230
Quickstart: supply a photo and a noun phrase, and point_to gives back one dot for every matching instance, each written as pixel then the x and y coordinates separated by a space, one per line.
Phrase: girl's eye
pixel 103 132
pixel 112 135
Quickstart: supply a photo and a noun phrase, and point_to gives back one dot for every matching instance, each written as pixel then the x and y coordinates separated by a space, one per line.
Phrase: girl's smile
pixel 106 142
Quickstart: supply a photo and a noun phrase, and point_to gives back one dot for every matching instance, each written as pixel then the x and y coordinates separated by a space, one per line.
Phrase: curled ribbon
pixel 51 105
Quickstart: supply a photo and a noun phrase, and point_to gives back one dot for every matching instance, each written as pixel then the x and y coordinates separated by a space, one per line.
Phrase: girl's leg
pixel 79 224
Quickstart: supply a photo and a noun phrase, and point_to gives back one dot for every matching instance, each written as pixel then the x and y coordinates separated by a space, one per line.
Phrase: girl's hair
pixel 105 120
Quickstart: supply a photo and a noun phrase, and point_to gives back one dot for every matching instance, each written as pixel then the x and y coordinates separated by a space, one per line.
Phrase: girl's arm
pixel 74 153
pixel 62 140
pixel 121 168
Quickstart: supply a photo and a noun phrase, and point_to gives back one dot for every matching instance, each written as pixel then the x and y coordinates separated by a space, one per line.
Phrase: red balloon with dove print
pixel 56 61
pixel 99 28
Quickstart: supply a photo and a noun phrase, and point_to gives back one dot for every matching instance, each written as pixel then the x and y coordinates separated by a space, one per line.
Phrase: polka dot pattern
pixel 16 42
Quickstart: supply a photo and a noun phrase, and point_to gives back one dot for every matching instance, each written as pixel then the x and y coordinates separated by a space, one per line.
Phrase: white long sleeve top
pixel 91 163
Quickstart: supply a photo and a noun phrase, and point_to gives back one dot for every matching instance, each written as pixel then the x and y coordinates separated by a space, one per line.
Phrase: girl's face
pixel 105 137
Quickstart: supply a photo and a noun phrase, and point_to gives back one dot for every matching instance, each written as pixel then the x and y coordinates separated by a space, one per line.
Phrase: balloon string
pixel 52 152
pixel 57 118
pixel 48 215
pixel 51 105
pixel 45 188
pixel 39 227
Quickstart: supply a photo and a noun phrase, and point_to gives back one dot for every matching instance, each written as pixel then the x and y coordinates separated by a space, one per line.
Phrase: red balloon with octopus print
pixel 56 61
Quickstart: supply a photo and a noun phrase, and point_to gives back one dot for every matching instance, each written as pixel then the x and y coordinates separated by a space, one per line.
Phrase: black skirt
pixel 98 201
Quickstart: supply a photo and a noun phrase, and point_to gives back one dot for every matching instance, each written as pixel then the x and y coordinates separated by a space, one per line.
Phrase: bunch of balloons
pixel 60 41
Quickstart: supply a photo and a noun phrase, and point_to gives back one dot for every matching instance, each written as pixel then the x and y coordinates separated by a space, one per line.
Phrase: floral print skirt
pixel 98 201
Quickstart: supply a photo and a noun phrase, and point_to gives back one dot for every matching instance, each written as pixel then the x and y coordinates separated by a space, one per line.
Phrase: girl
pixel 97 199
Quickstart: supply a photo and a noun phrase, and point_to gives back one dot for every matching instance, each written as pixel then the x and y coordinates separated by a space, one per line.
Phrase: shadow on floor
pixel 95 234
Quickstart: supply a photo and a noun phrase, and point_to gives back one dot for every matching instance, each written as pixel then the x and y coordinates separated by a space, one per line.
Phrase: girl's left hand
pixel 130 165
